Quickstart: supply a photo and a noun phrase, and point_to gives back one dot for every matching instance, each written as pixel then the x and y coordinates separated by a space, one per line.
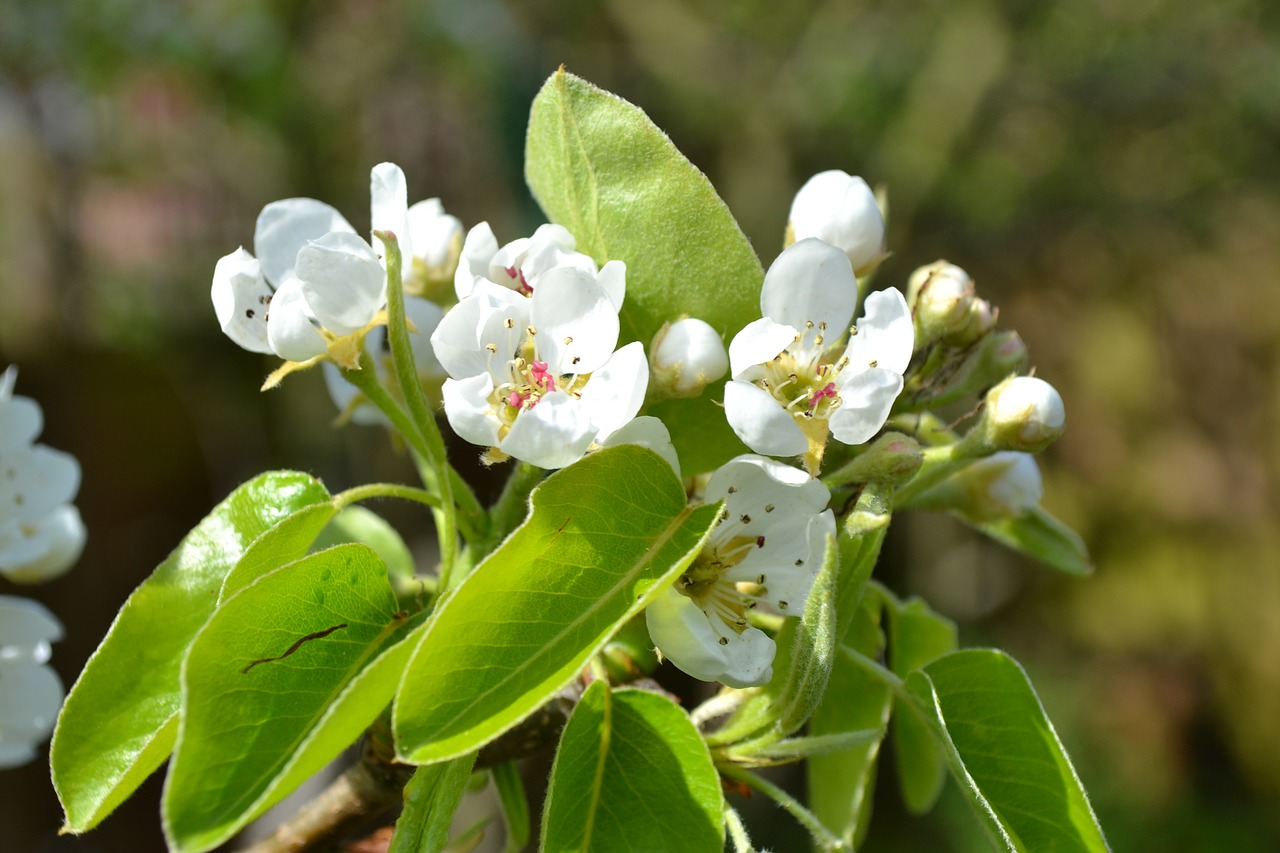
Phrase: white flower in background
pixel 537 378
pixel 436 243
pixel 793 381
pixel 767 547
pixel 1007 483
pixel 520 264
pixel 30 691
pixel 41 534
pixel 423 316
pixel 315 286
pixel 839 209
pixel 686 355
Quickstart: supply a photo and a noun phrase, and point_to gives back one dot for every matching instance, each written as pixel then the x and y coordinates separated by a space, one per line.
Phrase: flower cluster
pixel 41 537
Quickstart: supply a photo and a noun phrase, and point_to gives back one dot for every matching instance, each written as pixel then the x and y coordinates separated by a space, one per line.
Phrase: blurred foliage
pixel 1106 169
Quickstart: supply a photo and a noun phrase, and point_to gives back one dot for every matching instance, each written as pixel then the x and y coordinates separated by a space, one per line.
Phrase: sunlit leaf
pixel 363 525
pixel 286 674
pixel 632 774
pixel 1003 751
pixel 120 719
pixel 604 536
pixel 1039 534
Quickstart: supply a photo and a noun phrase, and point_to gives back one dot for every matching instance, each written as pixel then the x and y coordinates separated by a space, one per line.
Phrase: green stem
pixel 878 671
pixel 737 831
pixel 939 463
pixel 821 835
pixel 385 490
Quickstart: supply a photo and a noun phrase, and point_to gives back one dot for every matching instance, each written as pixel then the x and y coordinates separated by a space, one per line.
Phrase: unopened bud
pixel 892 458
pixel 1003 485
pixel 998 355
pixel 839 209
pixel 941 296
pixel 1023 413
pixel 979 320
pixel 685 356
pixel 437 246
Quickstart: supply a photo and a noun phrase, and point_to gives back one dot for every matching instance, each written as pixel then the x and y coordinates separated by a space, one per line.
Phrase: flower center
pixel 802 378
pixel 705 583
pixel 528 381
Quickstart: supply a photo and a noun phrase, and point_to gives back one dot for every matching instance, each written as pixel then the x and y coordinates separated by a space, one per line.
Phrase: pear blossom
pixel 520 264
pixel 686 355
pixel 313 286
pixel 41 533
pixel 767 547
pixel 537 378
pixel 794 380
pixel 30 691
pixel 839 209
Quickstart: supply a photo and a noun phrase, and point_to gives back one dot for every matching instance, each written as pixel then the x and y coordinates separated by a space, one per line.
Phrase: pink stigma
pixel 515 399
pixel 543 379
pixel 818 396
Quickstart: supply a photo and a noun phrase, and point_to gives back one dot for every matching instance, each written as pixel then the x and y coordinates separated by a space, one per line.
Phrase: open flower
pixel 521 263
pixel 767 547
pixel 794 381
pixel 537 378
pixel 30 691
pixel 41 534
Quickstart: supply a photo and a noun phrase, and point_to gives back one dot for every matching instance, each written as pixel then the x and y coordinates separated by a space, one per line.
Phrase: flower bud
pixel 839 209
pixel 1023 413
pixel 685 356
pixel 998 355
pixel 892 458
pixel 1003 485
pixel 941 298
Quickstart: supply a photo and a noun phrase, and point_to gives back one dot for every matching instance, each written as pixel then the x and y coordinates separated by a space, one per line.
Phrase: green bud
pixel 1022 413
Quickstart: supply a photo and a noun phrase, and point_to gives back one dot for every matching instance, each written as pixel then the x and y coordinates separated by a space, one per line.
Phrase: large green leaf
pixel 1037 533
pixel 430 799
pixel 287 673
pixel 604 536
pixel 917 635
pixel 632 773
pixel 120 719
pixel 841 783
pixel 1005 754
pixel 359 524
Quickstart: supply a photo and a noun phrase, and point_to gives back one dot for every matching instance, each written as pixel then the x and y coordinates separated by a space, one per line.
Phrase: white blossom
pixel 767 547
pixel 537 378
pixel 41 534
pixel 520 264
pixel 686 355
pixel 839 209
pixel 793 378
pixel 30 691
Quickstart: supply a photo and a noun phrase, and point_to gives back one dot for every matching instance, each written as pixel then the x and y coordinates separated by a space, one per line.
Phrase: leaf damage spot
pixel 318 635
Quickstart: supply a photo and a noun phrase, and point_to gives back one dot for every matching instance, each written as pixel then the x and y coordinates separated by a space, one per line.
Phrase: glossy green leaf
pixel 632 773
pixel 841 783
pixel 286 674
pixel 430 799
pixel 119 721
pixel 363 525
pixel 287 541
pixel 917 636
pixel 604 536
pixel 1039 534
pixel 1003 751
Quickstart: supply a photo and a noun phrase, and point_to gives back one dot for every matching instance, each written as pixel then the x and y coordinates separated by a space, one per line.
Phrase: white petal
pixel 840 209
pixel 289 328
pixel 865 401
pixel 576 322
pixel 757 343
pixel 761 422
pixel 810 282
pixel 60 537
pixel 466 405
pixel 491 315
pixel 613 278
pixel 241 299
pixel 554 433
pixel 749 483
pixel 433 232
pixel 750 659
pixel 26 624
pixel 646 431
pixel 615 392
pixel 477 250
pixel 20 422
pixel 343 281
pixel 285 226
pixel 885 333
pixel 389 206
pixel 692 347
pixel 684 635
pixel 425 316
pixel 35 480
pixel 28 708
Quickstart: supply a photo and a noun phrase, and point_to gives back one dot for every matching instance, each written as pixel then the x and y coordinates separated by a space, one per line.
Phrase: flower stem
pixel 737 831
pixel 822 836
pixel 939 463
pixel 385 490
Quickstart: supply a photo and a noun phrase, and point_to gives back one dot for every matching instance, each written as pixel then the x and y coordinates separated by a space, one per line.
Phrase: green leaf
pixel 120 719
pixel 359 524
pixel 841 783
pixel 286 674
pixel 1003 751
pixel 604 536
pixel 1038 534
pixel 917 636
pixel 602 169
pixel 632 773
pixel 430 799
pixel 287 541
pixel 515 804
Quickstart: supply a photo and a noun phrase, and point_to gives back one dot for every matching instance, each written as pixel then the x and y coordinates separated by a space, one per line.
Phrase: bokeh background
pixel 1107 170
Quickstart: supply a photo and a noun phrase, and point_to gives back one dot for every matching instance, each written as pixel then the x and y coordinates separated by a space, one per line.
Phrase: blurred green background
pixel 1107 170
